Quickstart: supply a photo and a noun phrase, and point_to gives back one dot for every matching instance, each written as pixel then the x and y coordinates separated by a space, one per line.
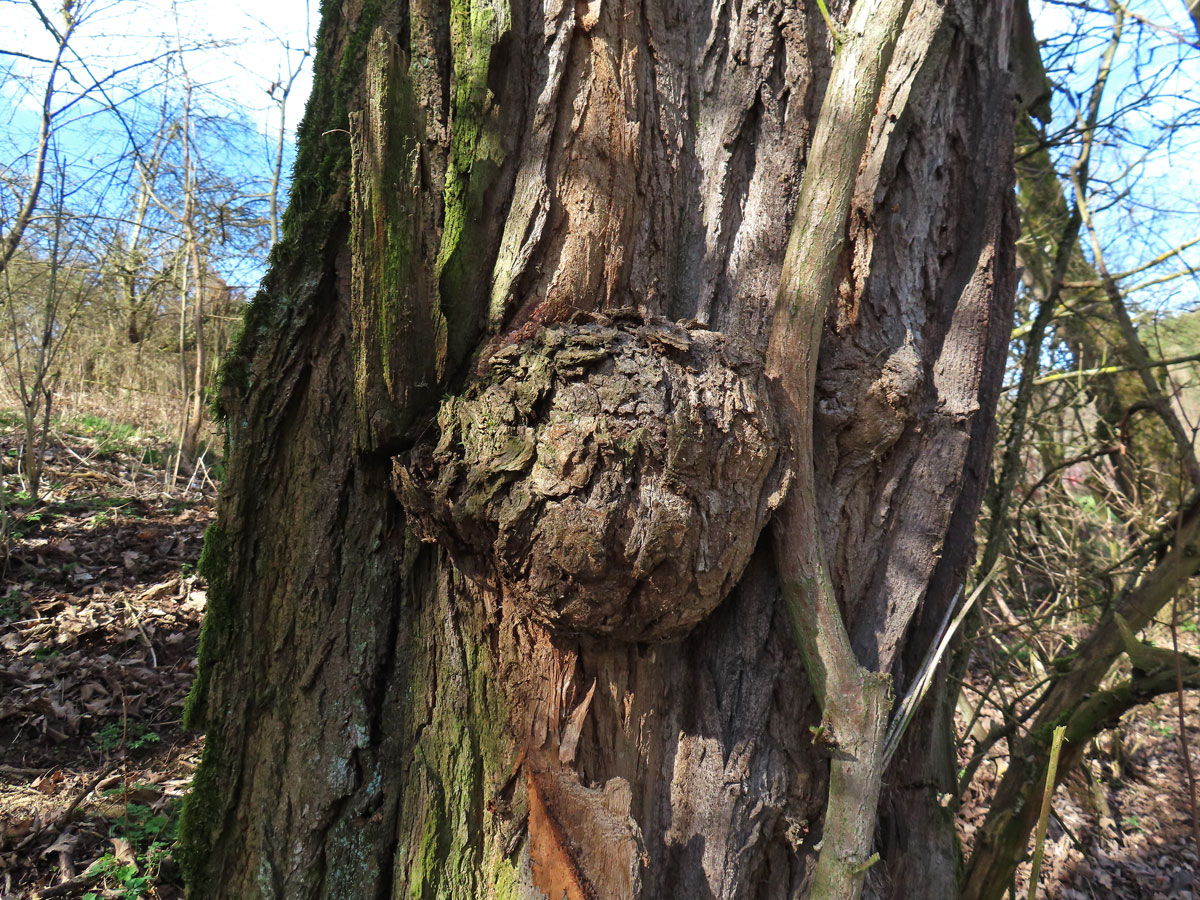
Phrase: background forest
pixel 138 206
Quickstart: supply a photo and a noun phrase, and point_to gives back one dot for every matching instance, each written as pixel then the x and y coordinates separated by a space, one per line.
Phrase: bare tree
pixel 44 289
pixel 14 228
pixel 296 60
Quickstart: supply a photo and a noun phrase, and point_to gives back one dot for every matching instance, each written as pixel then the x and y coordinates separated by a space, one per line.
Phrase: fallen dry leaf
pixel 123 851
pixel 49 784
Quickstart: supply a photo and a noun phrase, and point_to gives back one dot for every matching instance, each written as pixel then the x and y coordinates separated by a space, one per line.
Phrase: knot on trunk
pixel 611 478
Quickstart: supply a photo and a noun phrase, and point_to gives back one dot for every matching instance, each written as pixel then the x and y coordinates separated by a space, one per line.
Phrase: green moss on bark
pixel 201 813
pixel 398 331
pixel 316 201
pixel 451 845
pixel 214 566
pixel 476 26
pixel 461 747
pixel 200 817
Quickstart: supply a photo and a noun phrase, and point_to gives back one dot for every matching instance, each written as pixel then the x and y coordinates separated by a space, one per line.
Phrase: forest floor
pixel 100 612
pixel 1122 826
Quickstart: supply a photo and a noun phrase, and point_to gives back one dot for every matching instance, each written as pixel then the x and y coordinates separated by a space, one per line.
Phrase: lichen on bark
pixel 393 302
pixel 611 478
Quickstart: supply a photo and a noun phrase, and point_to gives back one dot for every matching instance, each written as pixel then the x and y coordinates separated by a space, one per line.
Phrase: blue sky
pixel 231 56
pixel 1146 165
pixel 239 50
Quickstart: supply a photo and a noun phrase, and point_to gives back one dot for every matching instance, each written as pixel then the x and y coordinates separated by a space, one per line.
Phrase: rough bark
pixel 477 182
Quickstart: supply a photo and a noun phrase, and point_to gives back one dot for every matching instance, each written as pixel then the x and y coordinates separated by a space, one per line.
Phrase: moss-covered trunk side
pixel 341 673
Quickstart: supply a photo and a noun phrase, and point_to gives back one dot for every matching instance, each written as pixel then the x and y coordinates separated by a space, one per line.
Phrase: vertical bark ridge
pixel 900 387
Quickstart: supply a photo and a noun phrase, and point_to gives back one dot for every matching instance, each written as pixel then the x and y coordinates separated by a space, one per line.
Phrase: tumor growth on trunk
pixel 612 477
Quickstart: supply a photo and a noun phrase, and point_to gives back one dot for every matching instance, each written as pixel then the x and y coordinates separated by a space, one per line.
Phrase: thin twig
pixel 79 798
pixel 142 631
pixel 20 772
pixel 63 819
pixel 72 886
pixel 1116 370
pixel 212 484
pixel 58 437
pixel 1035 868
pixel 924 679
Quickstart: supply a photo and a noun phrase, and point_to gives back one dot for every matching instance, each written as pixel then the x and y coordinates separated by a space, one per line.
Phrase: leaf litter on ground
pixel 1120 825
pixel 100 611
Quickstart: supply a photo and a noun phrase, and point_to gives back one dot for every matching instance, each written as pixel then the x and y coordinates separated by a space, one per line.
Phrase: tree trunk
pixel 491 609
pixel 193 398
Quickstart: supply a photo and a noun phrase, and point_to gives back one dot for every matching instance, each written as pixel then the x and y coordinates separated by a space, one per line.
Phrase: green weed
pixel 110 437
pixel 100 519
pixel 129 884
pixel 151 835
pixel 133 735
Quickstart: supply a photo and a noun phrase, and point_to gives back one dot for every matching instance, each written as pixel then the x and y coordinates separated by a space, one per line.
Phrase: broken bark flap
pixel 583 842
